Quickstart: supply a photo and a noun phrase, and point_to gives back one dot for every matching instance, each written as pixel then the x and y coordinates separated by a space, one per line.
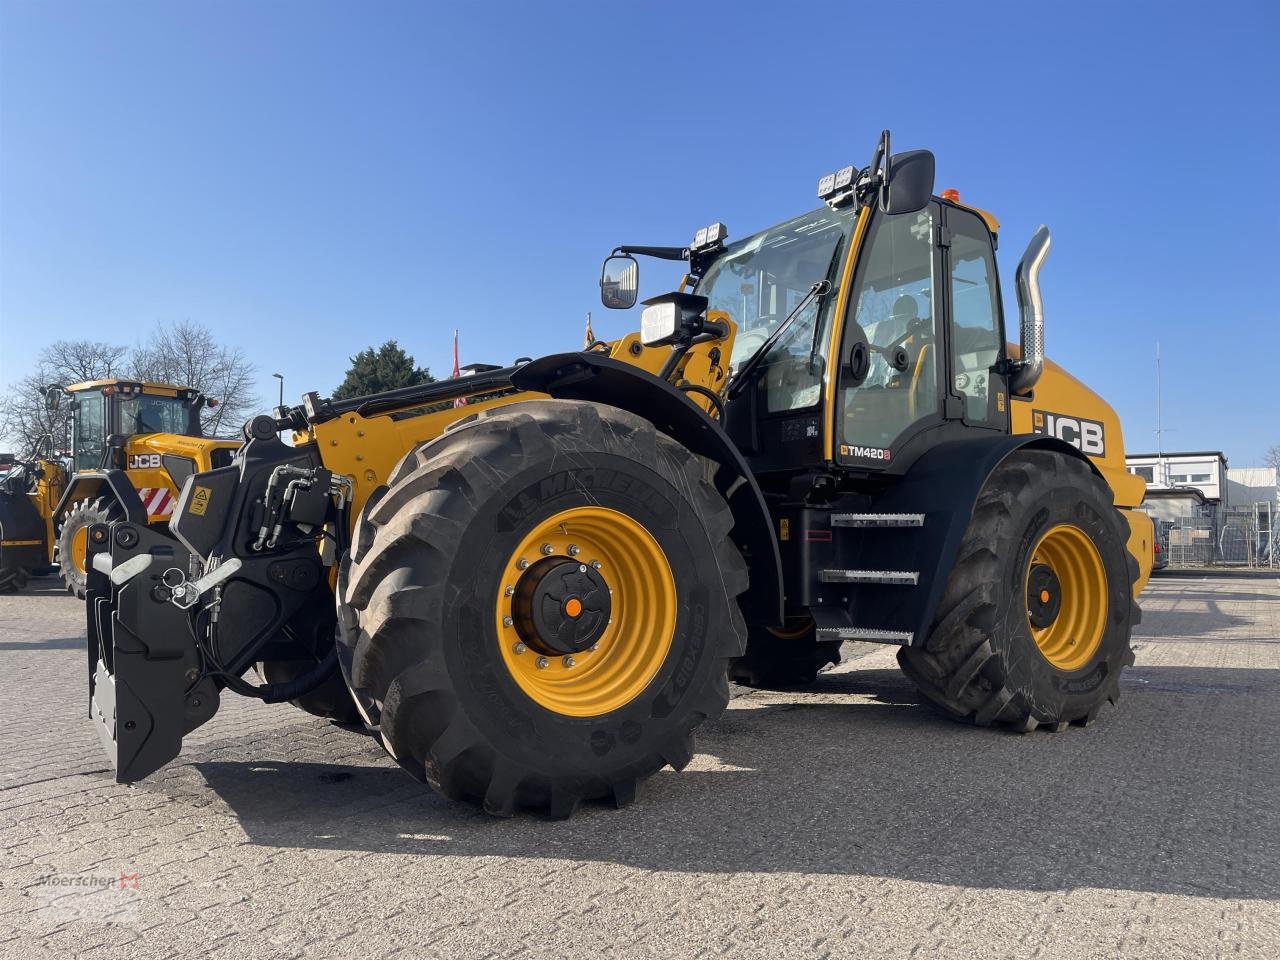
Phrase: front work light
pixel 671 318
pixel 709 236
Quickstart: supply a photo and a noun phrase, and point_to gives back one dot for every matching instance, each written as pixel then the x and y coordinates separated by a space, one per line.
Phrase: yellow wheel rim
pixel 1066 597
pixel 617 553
pixel 80 548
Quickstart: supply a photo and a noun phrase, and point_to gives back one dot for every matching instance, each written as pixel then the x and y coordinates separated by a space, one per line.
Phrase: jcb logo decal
pixel 144 461
pixel 1085 435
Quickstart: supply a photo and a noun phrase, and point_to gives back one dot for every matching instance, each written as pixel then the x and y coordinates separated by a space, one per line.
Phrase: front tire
pixel 1033 627
pixel 502 665
pixel 73 539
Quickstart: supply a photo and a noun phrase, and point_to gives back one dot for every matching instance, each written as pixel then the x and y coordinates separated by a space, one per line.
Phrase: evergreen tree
pixel 385 368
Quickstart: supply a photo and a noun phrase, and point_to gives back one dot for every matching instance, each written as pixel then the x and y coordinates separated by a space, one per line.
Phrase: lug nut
pixel 507 621
pixel 519 648
pixel 594 647
pixel 547 549
pixel 582 568
pixel 522 563
pixel 568 661
pixel 573 550
pixel 595 564
pixel 510 591
pixel 543 663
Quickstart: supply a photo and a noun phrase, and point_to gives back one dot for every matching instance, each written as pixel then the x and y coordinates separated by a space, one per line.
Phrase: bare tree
pixel 187 354
pixel 1272 457
pixel 24 421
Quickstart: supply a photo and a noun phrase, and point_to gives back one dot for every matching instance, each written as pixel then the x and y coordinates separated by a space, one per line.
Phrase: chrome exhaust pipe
pixel 1031 309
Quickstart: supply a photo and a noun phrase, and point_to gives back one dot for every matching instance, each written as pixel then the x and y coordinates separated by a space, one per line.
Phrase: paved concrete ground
pixel 848 820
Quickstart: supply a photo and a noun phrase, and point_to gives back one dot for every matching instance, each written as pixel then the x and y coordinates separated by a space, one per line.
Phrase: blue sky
pixel 313 178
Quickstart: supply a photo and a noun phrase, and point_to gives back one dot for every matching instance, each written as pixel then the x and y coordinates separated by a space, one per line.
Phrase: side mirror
pixel 910 177
pixel 620 282
pixel 52 397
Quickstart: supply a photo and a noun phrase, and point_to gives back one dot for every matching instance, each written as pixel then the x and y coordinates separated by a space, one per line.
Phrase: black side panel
pixel 203 507
pixel 20 521
pixel 944 485
pixel 596 378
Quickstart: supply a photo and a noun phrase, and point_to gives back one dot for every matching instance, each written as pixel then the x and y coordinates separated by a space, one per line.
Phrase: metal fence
pixel 1236 537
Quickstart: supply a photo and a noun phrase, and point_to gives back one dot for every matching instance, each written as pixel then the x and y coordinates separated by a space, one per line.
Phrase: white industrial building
pixel 1208 512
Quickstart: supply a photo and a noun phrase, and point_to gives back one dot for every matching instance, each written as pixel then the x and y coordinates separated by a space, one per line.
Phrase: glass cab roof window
pixel 759 280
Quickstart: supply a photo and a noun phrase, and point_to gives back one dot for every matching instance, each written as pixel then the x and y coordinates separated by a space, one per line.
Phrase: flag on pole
pixel 457 370
pixel 590 336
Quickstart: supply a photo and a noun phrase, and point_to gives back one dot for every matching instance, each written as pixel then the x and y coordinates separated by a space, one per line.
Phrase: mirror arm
pixel 659 253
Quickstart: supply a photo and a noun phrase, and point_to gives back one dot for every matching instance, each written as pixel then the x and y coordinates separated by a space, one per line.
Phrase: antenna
pixel 1163 476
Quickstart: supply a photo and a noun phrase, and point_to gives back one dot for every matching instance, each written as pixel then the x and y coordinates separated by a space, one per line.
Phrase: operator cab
pixel 868 330
pixel 122 408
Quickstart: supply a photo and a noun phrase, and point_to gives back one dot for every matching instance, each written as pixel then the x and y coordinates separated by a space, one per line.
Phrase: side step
pixel 903 578
pixel 877 519
pixel 867 634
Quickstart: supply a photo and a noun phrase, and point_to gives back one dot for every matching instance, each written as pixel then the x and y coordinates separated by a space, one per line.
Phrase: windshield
pixel 144 414
pixel 758 282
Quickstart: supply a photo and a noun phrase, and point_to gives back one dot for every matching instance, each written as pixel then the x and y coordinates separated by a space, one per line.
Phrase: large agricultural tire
pixel 1033 627
pixel 782 659
pixel 13 579
pixel 73 538
pixel 479 525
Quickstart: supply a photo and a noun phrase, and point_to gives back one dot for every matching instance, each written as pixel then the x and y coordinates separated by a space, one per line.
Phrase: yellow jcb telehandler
pixel 534 600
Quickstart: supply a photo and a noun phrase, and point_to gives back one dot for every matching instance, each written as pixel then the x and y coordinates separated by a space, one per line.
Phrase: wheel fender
pixel 114 483
pixel 596 378
pixel 944 484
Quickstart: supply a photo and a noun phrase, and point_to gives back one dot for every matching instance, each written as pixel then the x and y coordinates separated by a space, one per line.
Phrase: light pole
pixel 280 377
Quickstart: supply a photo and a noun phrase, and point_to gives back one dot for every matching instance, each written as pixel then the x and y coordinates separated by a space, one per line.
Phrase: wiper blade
pixel 820 289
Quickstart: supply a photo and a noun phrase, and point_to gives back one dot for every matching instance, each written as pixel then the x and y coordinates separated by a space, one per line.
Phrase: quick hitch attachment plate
pixel 146 689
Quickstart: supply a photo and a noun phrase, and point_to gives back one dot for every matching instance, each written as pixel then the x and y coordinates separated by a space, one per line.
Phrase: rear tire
pixel 13 580
pixel 982 663
pixel 782 659
pixel 71 538
pixel 424 586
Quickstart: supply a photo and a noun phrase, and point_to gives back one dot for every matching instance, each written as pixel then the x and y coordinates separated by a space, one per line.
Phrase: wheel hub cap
pixel 1044 596
pixel 561 606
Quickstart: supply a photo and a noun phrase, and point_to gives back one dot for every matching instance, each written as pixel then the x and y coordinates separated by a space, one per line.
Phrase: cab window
pixel 975 327
pixel 759 281
pixel 90 433
pixel 147 414
pixel 893 308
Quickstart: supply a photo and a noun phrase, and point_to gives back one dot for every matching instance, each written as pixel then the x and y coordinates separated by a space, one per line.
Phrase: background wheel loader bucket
pixel 140 698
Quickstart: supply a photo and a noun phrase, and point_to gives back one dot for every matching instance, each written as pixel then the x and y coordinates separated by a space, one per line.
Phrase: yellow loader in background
pixel 131 447
pixel 535 599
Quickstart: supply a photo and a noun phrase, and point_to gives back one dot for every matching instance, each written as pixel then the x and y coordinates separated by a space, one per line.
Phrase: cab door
pixel 976 390
pixel 893 353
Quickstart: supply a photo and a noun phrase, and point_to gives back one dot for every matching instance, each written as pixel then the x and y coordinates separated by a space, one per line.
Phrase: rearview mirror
pixel 52 397
pixel 620 282
pixel 910 182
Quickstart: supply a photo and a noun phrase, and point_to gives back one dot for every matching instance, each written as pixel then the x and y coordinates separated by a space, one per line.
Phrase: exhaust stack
pixel 1031 309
